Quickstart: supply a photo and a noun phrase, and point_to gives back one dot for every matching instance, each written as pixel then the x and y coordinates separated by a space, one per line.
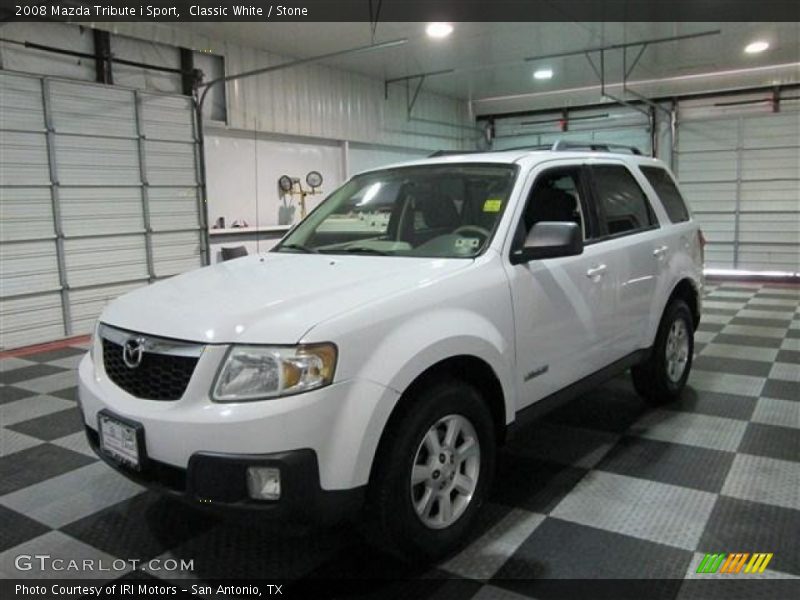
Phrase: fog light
pixel 264 483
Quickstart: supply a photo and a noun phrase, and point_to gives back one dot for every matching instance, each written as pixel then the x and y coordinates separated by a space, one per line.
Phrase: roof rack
pixel 561 145
pixel 558 146
pixel 452 152
pixel 565 145
pixel 531 148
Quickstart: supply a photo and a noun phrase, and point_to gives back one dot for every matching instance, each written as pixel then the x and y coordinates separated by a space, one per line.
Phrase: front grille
pixel 158 376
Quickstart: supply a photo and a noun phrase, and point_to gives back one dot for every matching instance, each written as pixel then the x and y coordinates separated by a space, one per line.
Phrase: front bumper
pixel 340 424
pixel 216 480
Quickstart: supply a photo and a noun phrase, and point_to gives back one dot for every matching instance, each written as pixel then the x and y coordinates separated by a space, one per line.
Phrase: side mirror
pixel 550 239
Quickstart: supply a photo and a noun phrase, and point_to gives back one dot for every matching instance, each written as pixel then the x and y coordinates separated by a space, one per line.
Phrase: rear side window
pixel 668 193
pixel 623 204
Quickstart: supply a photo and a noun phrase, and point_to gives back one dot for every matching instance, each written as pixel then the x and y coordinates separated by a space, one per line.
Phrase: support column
pixel 58 224
pixel 148 230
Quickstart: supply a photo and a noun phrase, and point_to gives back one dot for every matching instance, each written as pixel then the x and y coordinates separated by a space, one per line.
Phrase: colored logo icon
pixel 742 562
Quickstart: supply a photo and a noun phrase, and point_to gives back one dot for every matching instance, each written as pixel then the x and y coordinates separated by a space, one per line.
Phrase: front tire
pixel 663 376
pixel 432 473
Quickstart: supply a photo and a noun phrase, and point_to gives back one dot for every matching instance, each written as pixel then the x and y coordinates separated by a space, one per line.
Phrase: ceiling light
pixel 439 30
pixel 756 47
pixel 543 74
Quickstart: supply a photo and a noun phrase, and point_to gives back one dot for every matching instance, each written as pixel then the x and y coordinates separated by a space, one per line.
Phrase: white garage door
pixel 610 124
pixel 738 162
pixel 98 195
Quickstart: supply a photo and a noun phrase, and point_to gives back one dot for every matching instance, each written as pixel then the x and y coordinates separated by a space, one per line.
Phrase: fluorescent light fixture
pixel 439 30
pixel 543 73
pixel 756 47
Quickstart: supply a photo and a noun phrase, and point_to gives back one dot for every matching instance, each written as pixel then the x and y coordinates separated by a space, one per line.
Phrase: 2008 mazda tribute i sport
pixel 375 359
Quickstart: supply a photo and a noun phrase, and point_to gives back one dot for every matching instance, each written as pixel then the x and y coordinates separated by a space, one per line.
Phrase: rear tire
pixel 663 376
pixel 418 467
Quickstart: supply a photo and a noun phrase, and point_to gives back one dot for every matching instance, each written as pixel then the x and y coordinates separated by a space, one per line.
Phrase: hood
pixel 272 298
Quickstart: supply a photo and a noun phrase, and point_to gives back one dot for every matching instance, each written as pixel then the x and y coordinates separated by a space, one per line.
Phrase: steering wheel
pixel 472 229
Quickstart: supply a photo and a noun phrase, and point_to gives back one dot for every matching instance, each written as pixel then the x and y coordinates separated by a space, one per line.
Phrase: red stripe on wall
pixel 46 347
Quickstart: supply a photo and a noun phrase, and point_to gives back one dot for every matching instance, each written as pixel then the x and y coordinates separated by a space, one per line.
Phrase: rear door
pixel 635 250
pixel 679 234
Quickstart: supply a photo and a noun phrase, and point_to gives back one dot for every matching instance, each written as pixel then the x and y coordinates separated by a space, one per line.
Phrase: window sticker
pixel 467 243
pixel 492 205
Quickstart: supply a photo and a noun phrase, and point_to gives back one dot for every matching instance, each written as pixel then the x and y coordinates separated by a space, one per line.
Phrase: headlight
pixel 258 372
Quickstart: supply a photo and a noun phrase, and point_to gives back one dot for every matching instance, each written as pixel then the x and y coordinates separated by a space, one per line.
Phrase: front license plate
pixel 119 441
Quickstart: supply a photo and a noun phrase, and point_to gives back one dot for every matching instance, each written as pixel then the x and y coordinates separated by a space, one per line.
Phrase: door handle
pixel 660 251
pixel 596 272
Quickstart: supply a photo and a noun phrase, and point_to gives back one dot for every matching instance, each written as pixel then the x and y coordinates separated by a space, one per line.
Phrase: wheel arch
pixel 687 291
pixel 464 367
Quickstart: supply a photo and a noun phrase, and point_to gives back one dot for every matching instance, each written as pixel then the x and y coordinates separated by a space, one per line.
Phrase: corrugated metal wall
pixel 98 195
pixel 320 101
pixel 739 165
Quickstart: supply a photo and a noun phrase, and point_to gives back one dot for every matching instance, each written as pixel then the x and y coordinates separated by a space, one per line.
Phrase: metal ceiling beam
pixel 601 75
pixel 374 17
pixel 667 98
pixel 642 44
pixel 310 59
pixel 408 78
pixel 205 86
pixel 91 56
pixel 626 70
pixel 673 38
pixel 418 75
pixel 410 102
pixel 628 104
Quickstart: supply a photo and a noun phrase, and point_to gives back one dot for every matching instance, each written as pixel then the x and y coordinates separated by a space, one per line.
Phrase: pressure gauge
pixel 314 179
pixel 285 183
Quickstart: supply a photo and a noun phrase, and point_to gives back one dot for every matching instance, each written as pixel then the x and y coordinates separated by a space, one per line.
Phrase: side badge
pixel 536 372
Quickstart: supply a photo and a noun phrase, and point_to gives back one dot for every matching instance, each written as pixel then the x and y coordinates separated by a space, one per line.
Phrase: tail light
pixel 701 241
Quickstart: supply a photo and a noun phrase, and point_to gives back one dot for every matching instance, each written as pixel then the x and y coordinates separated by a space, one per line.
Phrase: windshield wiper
pixel 365 250
pixel 300 247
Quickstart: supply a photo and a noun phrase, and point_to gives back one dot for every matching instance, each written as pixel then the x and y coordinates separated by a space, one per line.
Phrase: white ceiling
pixel 489 57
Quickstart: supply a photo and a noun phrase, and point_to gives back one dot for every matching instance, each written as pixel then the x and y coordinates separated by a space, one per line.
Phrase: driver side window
pixel 556 195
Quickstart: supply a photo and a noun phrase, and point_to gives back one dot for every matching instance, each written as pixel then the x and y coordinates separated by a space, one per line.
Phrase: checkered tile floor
pixel 603 488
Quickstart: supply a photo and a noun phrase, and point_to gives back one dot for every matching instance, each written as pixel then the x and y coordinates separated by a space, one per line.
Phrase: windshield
pixel 443 211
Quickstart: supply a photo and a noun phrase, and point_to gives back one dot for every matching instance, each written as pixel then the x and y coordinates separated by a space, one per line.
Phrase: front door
pixel 563 307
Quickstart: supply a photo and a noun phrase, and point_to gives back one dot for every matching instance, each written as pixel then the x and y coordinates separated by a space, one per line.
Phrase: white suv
pixel 376 358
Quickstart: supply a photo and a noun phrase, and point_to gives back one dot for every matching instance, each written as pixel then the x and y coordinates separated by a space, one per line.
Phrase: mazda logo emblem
pixel 132 352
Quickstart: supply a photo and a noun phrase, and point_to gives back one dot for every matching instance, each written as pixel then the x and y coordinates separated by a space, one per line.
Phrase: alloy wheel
pixel 445 472
pixel 677 350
